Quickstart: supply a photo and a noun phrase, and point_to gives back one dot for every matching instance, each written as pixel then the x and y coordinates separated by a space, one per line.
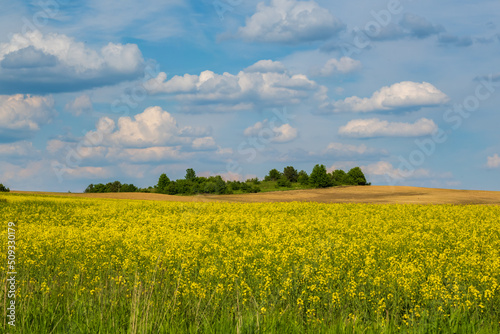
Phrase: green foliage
pixel 339 177
pixel 220 185
pixel 356 176
pixel 190 175
pixel 111 187
pixel 192 184
pixel 303 178
pixel 128 188
pixel 4 188
pixel 234 185
pixel 319 178
pixel 255 181
pixel 283 182
pixel 291 174
pixel 163 181
pixel 274 175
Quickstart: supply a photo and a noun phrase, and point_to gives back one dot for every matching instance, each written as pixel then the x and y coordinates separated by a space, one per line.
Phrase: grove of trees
pixel 111 187
pixel 192 184
pixel 4 188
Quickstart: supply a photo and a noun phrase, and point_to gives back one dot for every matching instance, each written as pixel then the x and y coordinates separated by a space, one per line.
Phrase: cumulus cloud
pixel 290 22
pixel 277 134
pixel 263 66
pixel 58 63
pixel 284 133
pixel 344 65
pixel 80 105
pixel 262 84
pixel 374 127
pixel 149 137
pixel 203 143
pixel 402 95
pixel 493 161
pixel 153 127
pixel 21 115
pixel 18 149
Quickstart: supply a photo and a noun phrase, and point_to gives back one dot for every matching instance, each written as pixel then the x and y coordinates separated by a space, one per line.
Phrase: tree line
pixel 288 178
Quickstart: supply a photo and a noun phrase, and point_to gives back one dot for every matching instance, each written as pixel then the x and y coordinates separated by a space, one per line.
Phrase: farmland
pixel 89 265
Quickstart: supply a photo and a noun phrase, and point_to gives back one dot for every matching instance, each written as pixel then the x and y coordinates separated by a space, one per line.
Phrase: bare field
pixel 367 194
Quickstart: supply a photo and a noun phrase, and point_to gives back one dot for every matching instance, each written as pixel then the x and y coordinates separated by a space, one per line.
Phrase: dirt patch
pixel 367 194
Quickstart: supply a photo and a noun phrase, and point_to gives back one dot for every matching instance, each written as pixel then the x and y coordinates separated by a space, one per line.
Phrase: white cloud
pixel 59 63
pixel 284 133
pixel 374 127
pixel 151 136
pixel 493 161
pixel 19 149
pixel 255 129
pixel 153 127
pixel 21 115
pixel 402 95
pixel 20 173
pixel 227 92
pixel 290 22
pixel 203 143
pixel 277 134
pixel 81 104
pixel 344 65
pixel 263 66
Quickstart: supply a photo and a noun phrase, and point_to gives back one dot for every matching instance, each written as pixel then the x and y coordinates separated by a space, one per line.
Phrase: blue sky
pixel 97 91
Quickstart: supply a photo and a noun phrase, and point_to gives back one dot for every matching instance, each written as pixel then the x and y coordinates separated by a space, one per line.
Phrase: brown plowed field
pixel 368 194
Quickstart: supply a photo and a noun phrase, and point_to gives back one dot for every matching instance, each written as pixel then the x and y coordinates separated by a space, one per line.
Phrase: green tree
pixel 209 187
pixel 114 187
pixel 339 177
pixel 319 178
pixel 291 173
pixel 4 188
pixel 128 188
pixel 190 175
pixel 303 178
pixel 356 176
pixel 273 175
pixel 283 182
pixel 89 189
pixel 100 188
pixel 183 187
pixel 220 185
pixel 235 185
pixel 163 182
pixel 171 188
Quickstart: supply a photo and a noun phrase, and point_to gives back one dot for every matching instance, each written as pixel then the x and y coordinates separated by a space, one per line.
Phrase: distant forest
pixel 289 178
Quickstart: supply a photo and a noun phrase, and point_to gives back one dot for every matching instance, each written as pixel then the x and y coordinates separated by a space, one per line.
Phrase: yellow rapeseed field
pixel 95 265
